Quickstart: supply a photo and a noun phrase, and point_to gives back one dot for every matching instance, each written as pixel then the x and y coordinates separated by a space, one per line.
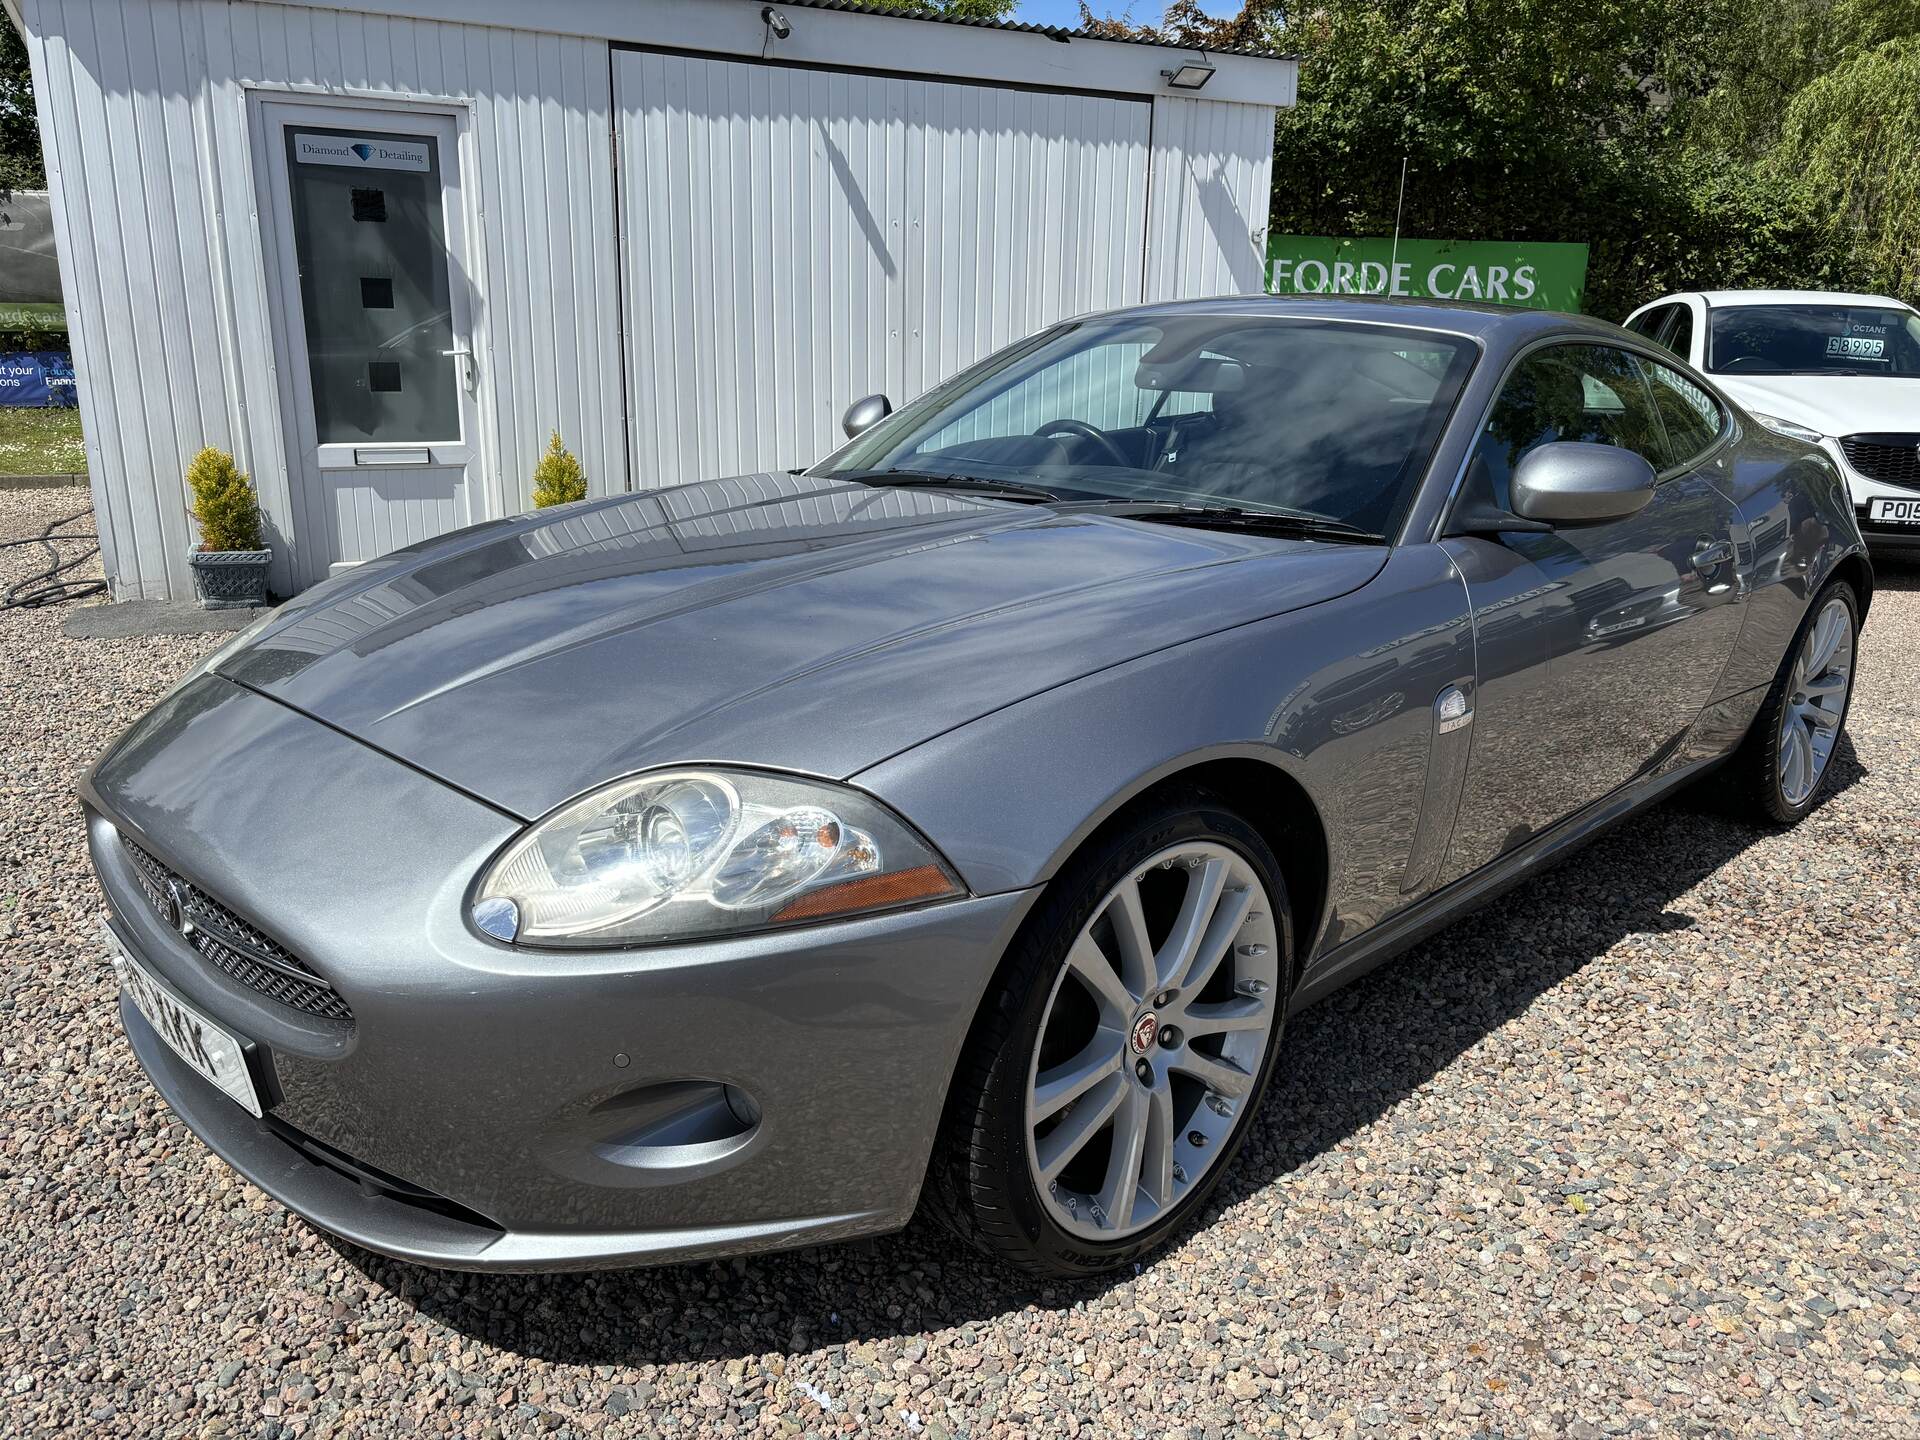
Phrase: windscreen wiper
pixel 1243 517
pixel 973 484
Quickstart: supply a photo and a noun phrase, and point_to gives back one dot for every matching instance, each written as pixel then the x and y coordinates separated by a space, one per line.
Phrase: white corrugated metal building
pixel 380 250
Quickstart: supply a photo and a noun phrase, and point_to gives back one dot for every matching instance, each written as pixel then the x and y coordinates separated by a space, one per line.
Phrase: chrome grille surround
pixel 232 946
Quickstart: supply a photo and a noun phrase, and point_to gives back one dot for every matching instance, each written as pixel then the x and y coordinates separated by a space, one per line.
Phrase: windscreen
pixel 1813 340
pixel 1333 419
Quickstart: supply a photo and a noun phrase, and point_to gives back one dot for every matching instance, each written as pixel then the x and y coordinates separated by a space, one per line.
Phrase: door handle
pixel 1708 559
pixel 1712 557
pixel 469 376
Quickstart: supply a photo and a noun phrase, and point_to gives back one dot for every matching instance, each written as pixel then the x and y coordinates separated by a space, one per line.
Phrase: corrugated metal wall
pixel 792 238
pixel 155 208
pixel 796 238
pixel 1212 186
pixel 153 388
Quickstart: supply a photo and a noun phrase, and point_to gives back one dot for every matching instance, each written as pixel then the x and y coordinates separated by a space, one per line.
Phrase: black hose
pixel 47 588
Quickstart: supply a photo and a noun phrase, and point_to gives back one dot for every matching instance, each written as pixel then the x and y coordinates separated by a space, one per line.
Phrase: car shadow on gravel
pixel 1348 1062
pixel 1901 575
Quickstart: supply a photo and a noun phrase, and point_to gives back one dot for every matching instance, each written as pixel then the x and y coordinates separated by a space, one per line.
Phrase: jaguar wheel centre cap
pixel 1145 1030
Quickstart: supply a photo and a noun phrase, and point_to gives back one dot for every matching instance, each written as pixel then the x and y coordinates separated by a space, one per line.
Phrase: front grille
pixel 1894 459
pixel 230 944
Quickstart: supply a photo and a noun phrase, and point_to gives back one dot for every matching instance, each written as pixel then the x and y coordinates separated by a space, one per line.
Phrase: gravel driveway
pixel 1633 1152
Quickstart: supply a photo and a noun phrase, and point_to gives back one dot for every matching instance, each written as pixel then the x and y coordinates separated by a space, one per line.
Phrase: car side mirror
pixel 864 414
pixel 1573 482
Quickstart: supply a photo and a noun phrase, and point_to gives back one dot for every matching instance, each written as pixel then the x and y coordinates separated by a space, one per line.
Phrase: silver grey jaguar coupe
pixel 732 865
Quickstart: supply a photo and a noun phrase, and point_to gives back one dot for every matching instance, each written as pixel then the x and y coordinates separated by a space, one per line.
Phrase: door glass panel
pixel 1593 393
pixel 1692 417
pixel 369 235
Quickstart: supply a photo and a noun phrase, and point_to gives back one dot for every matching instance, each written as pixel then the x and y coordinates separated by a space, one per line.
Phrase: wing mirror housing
pixel 862 415
pixel 1573 482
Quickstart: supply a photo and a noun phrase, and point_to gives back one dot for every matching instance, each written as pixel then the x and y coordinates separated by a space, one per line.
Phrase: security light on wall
pixel 1193 75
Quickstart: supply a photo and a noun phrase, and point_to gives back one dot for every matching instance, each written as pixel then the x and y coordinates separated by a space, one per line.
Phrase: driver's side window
pixel 1593 393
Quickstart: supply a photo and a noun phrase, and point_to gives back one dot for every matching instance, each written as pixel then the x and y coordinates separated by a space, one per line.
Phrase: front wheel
pixel 1115 1067
pixel 1780 770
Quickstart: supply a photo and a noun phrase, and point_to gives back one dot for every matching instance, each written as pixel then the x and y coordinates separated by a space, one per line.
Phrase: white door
pixel 372 302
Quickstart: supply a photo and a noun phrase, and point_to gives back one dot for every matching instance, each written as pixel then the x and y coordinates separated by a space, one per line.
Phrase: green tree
pixel 1716 143
pixel 963 9
pixel 1184 22
pixel 1532 120
pixel 20 163
pixel 1852 136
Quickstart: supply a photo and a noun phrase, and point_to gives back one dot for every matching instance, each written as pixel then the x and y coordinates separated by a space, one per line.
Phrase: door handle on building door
pixel 469 376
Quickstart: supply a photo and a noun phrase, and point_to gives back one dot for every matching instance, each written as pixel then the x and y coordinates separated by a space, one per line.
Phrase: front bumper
pixel 488 1108
pixel 1888 539
pixel 1881 538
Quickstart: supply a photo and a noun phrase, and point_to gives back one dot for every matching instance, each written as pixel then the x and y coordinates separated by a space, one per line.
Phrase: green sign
pixel 32 315
pixel 1540 275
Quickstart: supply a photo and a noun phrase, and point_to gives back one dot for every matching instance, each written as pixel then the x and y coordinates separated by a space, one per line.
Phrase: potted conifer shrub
pixel 558 478
pixel 230 567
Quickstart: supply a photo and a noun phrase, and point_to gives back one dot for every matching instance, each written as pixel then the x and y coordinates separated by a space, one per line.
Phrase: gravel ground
pixel 1631 1153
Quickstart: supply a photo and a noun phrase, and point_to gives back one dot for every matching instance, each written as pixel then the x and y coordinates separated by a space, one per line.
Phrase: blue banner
pixel 37 379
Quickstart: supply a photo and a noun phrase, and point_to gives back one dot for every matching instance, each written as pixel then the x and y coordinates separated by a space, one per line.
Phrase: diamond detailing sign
pixel 1538 274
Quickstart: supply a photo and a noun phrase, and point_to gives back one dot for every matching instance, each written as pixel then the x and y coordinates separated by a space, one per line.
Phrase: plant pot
pixel 231 579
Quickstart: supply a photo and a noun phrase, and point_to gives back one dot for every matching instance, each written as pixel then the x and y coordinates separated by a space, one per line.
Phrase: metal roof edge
pixel 1052 32
pixel 870 35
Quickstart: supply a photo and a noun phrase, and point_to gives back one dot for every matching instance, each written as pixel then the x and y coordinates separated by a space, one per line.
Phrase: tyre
pixel 1118 1059
pixel 1781 768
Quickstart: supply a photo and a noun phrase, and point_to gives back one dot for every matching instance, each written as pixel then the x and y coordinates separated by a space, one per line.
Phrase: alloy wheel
pixel 1816 702
pixel 1152 1040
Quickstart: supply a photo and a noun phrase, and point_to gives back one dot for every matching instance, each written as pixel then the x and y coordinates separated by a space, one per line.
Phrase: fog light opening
pixel 671 1125
pixel 742 1105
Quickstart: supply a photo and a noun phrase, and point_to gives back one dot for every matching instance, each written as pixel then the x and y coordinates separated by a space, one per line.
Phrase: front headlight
pixel 1788 428
pixel 678 854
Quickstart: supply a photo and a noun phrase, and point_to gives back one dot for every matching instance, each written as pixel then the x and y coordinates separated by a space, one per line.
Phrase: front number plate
pixel 211 1051
pixel 1895 512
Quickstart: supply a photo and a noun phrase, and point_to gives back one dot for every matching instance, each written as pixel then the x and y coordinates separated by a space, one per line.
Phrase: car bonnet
pixel 773 620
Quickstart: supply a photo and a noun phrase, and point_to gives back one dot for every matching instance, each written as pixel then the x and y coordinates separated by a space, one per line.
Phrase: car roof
pixel 1729 299
pixel 1479 321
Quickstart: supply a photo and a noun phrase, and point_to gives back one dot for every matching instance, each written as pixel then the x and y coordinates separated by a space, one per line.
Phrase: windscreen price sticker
pixel 1857 347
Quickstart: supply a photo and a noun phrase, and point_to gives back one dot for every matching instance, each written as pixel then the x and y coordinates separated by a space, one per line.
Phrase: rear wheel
pixel 1112 1073
pixel 1782 768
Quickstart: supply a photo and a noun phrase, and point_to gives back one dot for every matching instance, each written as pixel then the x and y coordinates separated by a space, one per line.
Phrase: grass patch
pixel 41 442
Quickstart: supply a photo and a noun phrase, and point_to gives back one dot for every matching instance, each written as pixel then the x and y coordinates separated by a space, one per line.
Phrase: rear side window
pixel 1693 418
pixel 1650 323
pixel 1679 338
pixel 1593 393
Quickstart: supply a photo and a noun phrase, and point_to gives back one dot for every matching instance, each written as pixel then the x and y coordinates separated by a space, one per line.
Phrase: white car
pixel 1841 371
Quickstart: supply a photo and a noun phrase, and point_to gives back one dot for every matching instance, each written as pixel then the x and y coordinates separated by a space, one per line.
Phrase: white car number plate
pixel 1897 512
pixel 211 1051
